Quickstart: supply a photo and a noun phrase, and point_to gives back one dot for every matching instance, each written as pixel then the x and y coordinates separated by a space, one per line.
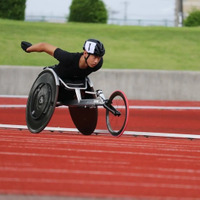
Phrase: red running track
pixel 184 121
pixel 72 165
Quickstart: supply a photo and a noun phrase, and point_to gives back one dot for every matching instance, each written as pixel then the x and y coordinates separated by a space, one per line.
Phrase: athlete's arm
pixel 42 47
pixel 39 47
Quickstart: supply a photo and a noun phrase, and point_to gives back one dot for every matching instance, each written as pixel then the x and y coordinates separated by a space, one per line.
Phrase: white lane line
pixel 165 107
pixel 171 135
pixel 12 106
pixel 14 96
pixel 130 107
pixel 98 131
pixel 11 126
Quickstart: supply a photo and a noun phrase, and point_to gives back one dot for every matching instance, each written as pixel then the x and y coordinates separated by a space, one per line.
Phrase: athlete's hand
pixel 25 45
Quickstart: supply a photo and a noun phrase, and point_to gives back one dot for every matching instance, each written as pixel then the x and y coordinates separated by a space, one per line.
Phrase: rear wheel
pixel 117 113
pixel 41 102
pixel 85 117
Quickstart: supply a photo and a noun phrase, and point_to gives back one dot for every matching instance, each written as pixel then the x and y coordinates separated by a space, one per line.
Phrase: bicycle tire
pixel 117 124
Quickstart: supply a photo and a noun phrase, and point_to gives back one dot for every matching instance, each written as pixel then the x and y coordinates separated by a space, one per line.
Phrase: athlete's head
pixel 93 52
pixel 94 47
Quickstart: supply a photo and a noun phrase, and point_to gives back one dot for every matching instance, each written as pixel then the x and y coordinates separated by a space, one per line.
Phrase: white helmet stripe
pixel 90 46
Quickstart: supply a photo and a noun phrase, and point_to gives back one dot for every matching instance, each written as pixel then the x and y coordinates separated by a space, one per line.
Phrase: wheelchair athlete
pixel 71 66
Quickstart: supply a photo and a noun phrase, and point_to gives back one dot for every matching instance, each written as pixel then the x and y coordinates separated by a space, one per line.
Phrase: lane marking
pixel 99 131
pixel 130 107
pixel 12 106
pixel 13 96
pixel 165 107
pixel 170 135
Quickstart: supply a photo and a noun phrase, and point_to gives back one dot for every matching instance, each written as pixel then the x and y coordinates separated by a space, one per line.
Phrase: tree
pixel 93 11
pixel 12 9
pixel 193 19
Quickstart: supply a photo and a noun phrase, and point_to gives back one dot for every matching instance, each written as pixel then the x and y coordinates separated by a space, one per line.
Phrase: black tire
pixel 41 101
pixel 116 124
pixel 85 118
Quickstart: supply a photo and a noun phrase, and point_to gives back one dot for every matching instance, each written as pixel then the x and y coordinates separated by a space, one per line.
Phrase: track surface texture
pixel 67 165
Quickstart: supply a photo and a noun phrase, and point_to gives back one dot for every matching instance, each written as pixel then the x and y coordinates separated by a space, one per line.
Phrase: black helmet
pixel 95 47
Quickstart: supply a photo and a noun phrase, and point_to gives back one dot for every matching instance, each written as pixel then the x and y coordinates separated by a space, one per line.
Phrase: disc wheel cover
pixel 41 102
pixel 85 118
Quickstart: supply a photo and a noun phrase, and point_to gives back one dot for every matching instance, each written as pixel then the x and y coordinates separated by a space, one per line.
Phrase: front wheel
pixel 117 113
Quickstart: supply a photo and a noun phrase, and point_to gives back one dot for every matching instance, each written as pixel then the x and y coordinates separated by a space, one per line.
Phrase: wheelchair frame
pixel 80 102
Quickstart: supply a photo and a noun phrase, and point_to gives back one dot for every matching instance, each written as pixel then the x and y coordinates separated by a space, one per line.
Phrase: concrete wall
pixel 137 84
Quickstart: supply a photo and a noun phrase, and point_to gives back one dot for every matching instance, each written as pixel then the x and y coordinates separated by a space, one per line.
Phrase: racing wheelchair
pixel 50 91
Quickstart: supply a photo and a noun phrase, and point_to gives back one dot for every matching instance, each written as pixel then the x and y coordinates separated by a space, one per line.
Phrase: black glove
pixel 25 45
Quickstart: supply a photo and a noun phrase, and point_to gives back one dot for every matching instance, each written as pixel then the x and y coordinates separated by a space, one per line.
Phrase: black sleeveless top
pixel 68 66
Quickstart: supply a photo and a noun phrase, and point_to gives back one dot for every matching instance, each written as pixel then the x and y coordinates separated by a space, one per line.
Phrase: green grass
pixel 129 47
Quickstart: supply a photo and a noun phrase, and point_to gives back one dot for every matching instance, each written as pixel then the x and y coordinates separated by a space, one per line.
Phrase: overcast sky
pixel 134 9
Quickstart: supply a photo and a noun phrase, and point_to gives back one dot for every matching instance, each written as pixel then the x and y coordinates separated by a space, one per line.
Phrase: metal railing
pixel 141 22
pixel 122 22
